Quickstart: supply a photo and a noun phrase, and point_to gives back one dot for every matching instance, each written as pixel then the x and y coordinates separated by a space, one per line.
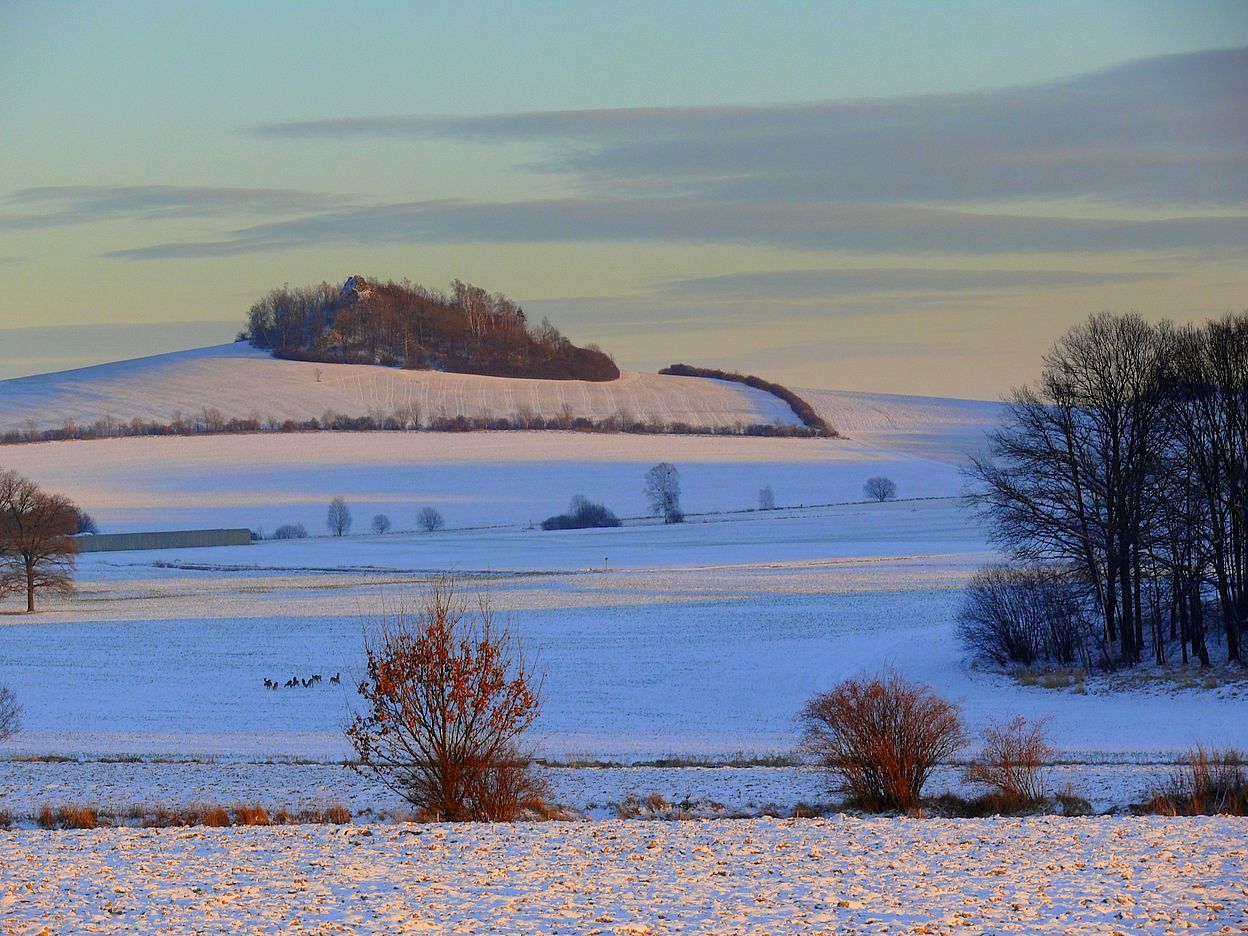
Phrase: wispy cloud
pixel 1169 130
pixel 53 206
pixel 821 285
pixel 1155 153
pixel 844 228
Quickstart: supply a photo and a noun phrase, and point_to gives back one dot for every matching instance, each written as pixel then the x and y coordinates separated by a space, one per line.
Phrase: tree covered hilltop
pixel 465 330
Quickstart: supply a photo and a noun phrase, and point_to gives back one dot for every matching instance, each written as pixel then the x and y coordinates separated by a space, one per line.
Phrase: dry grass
pixel 214 817
pixel 67 817
pixel 252 814
pixel 1208 782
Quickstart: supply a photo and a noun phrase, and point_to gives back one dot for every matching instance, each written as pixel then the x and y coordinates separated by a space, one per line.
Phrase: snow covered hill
pixel 240 382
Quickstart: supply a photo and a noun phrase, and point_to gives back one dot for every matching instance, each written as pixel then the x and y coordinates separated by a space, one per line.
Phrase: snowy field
pixel 842 875
pixel 473 479
pixel 698 641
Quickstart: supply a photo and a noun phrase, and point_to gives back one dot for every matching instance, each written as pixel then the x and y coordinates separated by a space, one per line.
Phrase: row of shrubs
pixel 881 738
pixel 77 816
pixel 212 422
pixel 803 410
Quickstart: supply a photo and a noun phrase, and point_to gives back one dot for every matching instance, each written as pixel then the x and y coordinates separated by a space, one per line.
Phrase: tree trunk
pixel 30 587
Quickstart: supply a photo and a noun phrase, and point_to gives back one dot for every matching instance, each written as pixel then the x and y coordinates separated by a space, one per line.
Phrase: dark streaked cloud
pixel 843 228
pixel 52 206
pixel 1169 130
pixel 820 285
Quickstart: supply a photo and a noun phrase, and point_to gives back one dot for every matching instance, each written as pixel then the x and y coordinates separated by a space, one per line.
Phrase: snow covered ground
pixel 696 640
pixel 699 639
pixel 842 875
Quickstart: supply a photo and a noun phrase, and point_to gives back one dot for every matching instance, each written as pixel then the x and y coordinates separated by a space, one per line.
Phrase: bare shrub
pixel 1023 616
pixel 10 714
pixel 291 531
pixel 381 524
pixel 430 519
pixel 582 514
pixel 1011 763
pixel 766 498
pixel 1208 782
pixel 880 489
pixel 448 695
pixel 880 738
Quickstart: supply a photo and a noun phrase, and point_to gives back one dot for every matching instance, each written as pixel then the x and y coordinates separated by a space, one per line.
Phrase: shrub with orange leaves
pixel 447 697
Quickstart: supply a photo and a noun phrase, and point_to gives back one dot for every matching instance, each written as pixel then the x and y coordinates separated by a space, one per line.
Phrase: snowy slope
pixel 240 381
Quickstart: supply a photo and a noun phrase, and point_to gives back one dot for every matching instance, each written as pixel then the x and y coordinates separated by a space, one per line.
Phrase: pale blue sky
pixel 894 196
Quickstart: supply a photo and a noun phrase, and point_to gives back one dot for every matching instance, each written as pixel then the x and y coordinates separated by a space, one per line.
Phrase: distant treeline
pixel 465 331
pixel 211 422
pixel 804 411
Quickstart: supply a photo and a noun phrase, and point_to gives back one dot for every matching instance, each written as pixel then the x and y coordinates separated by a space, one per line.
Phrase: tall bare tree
pixel 662 490
pixel 37 548
pixel 338 517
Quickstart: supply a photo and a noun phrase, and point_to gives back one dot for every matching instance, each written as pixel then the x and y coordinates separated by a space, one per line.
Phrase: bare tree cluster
pixel 1125 469
pixel 37 548
pixel 466 330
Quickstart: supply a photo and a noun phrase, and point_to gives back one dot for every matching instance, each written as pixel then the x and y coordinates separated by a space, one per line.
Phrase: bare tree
pixel 448 697
pixel 430 519
pixel 10 714
pixel 766 498
pixel 879 489
pixel 381 524
pixel 662 490
pixel 338 520
pixel 37 548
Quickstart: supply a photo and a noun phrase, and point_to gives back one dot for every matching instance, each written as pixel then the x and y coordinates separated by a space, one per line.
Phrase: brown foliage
pixel 881 737
pixel 1011 762
pixel 447 698
pixel 1209 782
pixel 36 539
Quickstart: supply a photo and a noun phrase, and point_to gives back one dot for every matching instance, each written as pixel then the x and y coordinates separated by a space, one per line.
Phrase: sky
pixel 887 196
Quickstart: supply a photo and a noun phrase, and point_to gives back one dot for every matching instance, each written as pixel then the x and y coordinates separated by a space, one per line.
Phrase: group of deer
pixel 295 682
